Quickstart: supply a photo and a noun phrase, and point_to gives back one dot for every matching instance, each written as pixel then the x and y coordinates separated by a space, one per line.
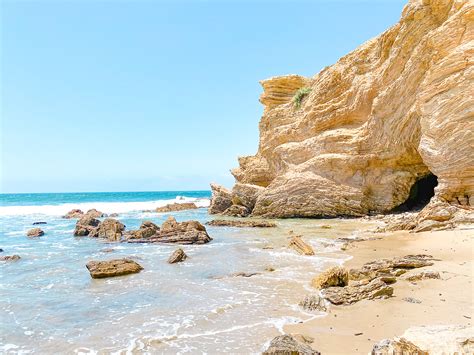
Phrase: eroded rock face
pixel 372 124
pixel 35 232
pixel 111 268
pixel 287 344
pixel 354 293
pixel 221 199
pixel 177 207
pixel 335 276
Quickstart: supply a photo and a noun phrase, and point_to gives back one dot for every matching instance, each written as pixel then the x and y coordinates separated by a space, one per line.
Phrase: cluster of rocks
pixel 241 224
pixel 77 213
pixel 340 286
pixel 236 203
pixel 173 207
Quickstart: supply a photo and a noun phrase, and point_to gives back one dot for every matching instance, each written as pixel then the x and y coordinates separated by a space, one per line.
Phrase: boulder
pixel 10 258
pixel 351 294
pixel 35 232
pixel 313 303
pixel 110 229
pixel 177 207
pixel 189 232
pixel 240 224
pixel 75 213
pixel 288 345
pixel 396 346
pixel 335 276
pixel 178 256
pixel 300 246
pixel 95 214
pixel 111 268
pixel 86 225
pixel 221 199
pixel 147 229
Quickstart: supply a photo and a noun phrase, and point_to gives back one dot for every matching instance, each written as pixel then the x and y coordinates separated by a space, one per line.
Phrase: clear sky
pixel 154 95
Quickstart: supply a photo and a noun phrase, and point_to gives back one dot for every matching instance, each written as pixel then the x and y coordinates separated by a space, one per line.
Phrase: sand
pixel 354 329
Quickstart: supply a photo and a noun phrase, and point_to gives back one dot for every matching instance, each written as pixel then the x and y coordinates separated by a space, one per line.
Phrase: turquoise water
pixel 50 304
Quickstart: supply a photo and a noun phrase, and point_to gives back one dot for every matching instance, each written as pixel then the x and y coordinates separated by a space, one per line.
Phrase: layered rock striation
pixel 355 138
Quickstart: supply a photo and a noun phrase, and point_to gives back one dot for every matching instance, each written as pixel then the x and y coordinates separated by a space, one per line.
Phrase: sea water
pixel 50 304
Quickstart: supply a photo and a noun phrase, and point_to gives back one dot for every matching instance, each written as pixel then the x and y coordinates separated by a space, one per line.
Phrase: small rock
pixel 10 258
pixel 244 274
pixel 288 345
pixel 240 224
pixel 325 226
pixel 300 246
pixel 75 213
pixel 107 250
pixel 269 269
pixel 95 214
pixel 177 207
pixel 37 223
pixel 411 300
pixel 111 268
pixel 423 275
pixel 313 303
pixel 113 215
pixel 35 232
pixel 178 256
pixel 335 276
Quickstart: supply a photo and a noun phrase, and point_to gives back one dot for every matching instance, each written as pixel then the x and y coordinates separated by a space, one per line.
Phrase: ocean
pixel 50 304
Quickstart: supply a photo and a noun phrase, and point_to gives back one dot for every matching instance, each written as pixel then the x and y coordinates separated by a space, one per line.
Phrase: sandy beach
pixel 356 328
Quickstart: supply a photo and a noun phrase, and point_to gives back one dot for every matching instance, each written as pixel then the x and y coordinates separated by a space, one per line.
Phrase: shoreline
pixel 445 301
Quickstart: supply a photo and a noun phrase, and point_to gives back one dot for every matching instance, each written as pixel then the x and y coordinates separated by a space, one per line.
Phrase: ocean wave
pixel 106 207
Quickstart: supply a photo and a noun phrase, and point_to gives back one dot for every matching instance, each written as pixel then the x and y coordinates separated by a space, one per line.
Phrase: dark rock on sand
pixel 35 232
pixel 354 293
pixel 301 247
pixel 86 225
pixel 313 303
pixel 221 199
pixel 37 223
pixel 111 268
pixel 75 213
pixel 147 229
pixel 238 223
pixel 335 276
pixel 178 256
pixel 189 232
pixel 10 258
pixel 288 345
pixel 172 207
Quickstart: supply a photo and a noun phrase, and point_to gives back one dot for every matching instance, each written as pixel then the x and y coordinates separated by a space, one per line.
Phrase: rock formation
pixel 178 256
pixel 147 229
pixel 240 224
pixel 358 136
pixel 177 207
pixel 35 232
pixel 10 258
pixel 110 268
pixel 287 344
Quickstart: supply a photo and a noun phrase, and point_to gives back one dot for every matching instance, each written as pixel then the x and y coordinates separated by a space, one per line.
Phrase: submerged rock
pixel 10 258
pixel 351 294
pixel 111 268
pixel 240 223
pixel 178 256
pixel 75 213
pixel 189 232
pixel 35 232
pixel 296 243
pixel 335 276
pixel 177 207
pixel 288 345
pixel 221 199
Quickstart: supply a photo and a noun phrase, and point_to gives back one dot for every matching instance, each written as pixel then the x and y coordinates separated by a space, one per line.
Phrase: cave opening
pixel 420 194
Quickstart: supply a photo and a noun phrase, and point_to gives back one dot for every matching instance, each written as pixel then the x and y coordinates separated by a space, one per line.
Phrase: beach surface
pixel 356 328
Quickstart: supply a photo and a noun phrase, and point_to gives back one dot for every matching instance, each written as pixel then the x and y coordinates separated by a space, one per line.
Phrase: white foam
pixel 106 207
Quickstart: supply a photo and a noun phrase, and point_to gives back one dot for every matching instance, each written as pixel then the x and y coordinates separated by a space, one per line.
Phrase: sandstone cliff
pixel 356 137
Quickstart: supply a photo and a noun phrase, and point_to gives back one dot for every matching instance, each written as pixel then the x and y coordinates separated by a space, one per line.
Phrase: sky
pixel 154 95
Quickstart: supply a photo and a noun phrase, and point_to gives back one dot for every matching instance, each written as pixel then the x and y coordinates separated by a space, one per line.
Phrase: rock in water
pixel 95 214
pixel 35 232
pixel 86 225
pixel 147 229
pixel 300 246
pixel 240 224
pixel 110 229
pixel 37 223
pixel 111 268
pixel 356 137
pixel 75 213
pixel 221 199
pixel 177 256
pixel 288 345
pixel 335 276
pixel 10 258
pixel 177 207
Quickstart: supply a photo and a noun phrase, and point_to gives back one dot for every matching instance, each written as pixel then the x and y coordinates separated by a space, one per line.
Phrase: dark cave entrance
pixel 420 194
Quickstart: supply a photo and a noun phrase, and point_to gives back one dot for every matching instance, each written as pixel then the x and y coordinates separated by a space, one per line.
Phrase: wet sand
pixel 448 300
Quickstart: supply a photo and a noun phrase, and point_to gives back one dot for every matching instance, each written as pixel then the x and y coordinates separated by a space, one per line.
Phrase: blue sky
pixel 154 95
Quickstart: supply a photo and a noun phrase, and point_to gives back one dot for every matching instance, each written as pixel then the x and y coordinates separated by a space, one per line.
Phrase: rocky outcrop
pixel 75 213
pixel 335 276
pixel 173 232
pixel 355 138
pixel 147 229
pixel 288 344
pixel 300 246
pixel 86 225
pixel 356 292
pixel 109 229
pixel 240 224
pixel 111 268
pixel 172 207
pixel 10 258
pixel 35 232
pixel 178 256
pixel 221 199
